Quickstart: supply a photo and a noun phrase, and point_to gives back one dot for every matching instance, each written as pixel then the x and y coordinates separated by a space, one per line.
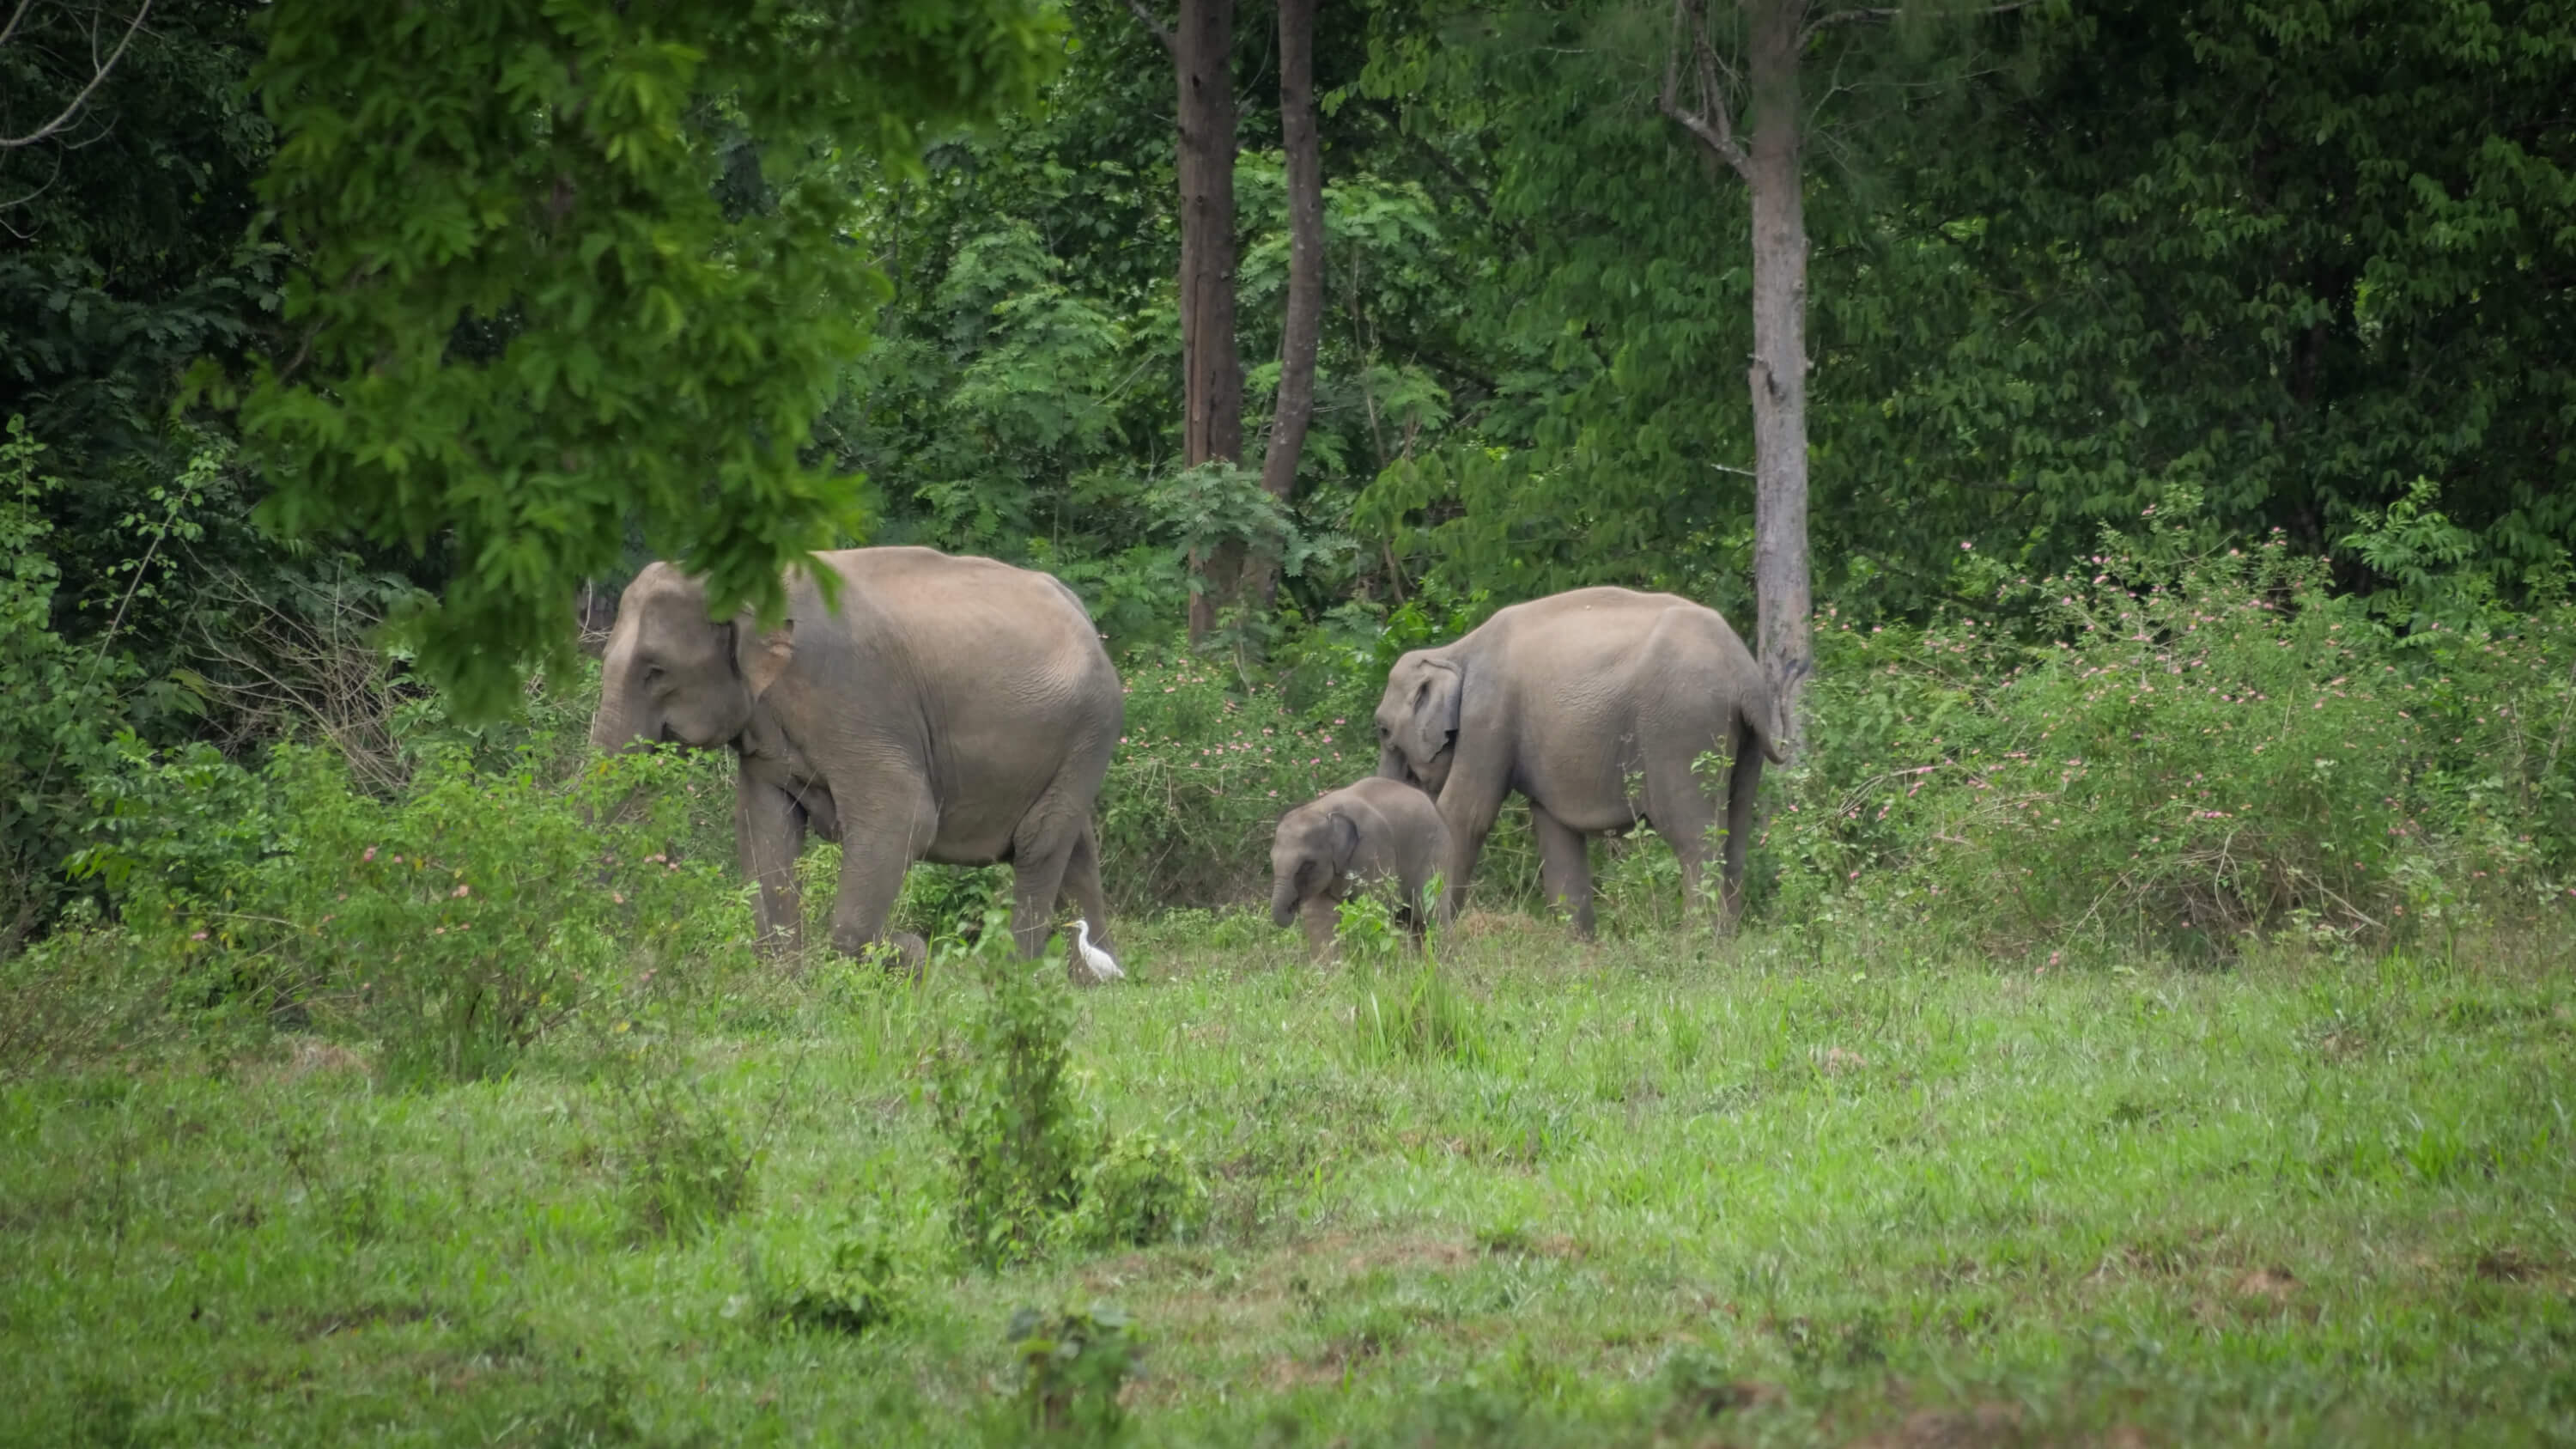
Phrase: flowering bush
pixel 2211 746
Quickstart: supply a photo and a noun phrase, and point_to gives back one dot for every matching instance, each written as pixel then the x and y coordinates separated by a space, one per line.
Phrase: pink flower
pixel 369 855
pixel 459 893
pixel 198 936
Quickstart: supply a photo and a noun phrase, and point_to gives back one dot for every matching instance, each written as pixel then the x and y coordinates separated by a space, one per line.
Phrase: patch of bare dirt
pixel 2505 1265
pixel 2276 1284
pixel 1983 1426
pixel 308 1056
pixel 1837 1061
pixel 323 1323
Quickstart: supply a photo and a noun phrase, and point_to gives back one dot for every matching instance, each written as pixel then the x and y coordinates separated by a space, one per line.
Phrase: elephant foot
pixel 895 951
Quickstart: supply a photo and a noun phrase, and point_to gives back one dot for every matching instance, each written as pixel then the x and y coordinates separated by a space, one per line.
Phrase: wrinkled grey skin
pixel 956 710
pixel 1593 704
pixel 1373 830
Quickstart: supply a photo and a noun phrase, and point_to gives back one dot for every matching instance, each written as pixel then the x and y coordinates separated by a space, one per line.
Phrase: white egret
pixel 1097 965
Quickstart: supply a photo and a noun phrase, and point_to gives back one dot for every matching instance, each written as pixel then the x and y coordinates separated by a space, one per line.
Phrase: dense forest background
pixel 2295 272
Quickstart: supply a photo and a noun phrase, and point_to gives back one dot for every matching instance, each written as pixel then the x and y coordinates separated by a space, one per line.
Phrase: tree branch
pixel 1153 26
pixel 99 75
pixel 1714 123
pixel 14 17
pixel 1808 31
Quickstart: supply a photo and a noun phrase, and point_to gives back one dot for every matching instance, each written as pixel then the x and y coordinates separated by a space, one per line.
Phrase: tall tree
pixel 1766 84
pixel 529 313
pixel 1302 331
pixel 1201 45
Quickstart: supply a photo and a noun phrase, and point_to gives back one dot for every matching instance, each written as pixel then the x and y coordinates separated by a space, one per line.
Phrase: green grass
pixel 1762 1193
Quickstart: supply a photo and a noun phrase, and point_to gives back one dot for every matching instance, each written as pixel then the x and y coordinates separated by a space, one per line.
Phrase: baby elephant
pixel 1377 829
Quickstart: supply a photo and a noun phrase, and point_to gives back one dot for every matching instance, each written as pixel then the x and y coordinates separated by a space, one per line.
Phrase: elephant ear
pixel 1433 712
pixel 762 654
pixel 1342 834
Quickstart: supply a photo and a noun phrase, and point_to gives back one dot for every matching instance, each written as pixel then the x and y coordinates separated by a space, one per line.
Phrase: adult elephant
pixel 956 710
pixel 1593 704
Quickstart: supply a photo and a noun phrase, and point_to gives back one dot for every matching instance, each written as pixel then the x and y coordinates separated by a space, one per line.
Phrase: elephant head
pixel 1417 720
pixel 1312 849
pixel 672 675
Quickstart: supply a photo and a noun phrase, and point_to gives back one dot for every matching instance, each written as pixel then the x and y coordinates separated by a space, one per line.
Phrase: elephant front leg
pixel 1564 869
pixel 1321 915
pixel 1469 803
pixel 873 862
pixel 769 829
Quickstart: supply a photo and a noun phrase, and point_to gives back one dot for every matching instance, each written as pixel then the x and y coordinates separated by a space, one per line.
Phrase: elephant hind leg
pixel 1682 813
pixel 1564 869
pixel 1082 882
pixel 1743 786
pixel 1038 861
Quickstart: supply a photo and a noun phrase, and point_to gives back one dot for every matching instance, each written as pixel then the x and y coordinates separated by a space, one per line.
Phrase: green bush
pixel 1141 1191
pixel 1072 1365
pixel 681 1165
pixel 457 923
pixel 859 1286
pixel 1206 769
pixel 59 703
pixel 1212 758
pixel 2212 747
pixel 1016 1141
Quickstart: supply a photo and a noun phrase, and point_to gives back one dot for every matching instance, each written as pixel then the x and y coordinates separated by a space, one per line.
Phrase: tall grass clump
pixel 1404 1008
pixel 2204 745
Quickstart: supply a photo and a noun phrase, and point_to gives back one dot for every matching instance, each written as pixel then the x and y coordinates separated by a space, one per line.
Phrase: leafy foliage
pixel 1072 1365
pixel 510 224
pixel 2215 748
pixel 1016 1138
pixel 461 922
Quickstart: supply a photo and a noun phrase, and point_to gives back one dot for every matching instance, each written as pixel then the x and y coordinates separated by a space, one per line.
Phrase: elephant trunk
pixel 1283 902
pixel 1391 766
pixel 619 724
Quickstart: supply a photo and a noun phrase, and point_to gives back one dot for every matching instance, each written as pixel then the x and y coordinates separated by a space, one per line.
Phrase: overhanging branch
pixel 98 75
pixel 1713 123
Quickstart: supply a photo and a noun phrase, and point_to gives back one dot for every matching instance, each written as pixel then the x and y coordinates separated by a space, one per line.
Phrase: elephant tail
pixel 1766 724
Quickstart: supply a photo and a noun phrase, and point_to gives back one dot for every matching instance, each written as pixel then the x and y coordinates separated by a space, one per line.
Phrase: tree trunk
pixel 1212 373
pixel 1778 375
pixel 1304 328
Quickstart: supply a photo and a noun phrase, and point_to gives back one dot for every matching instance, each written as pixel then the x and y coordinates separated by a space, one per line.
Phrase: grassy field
pixel 1660 1192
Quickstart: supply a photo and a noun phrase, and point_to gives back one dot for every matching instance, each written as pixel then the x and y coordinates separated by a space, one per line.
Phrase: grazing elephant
pixel 1577 700
pixel 1373 830
pixel 949 709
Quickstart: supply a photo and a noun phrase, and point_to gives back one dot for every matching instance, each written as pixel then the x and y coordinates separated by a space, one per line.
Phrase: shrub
pixel 1141 1191
pixel 459 922
pixel 1207 767
pixel 58 701
pixel 1015 1140
pixel 2212 746
pixel 859 1286
pixel 681 1166
pixel 1072 1365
